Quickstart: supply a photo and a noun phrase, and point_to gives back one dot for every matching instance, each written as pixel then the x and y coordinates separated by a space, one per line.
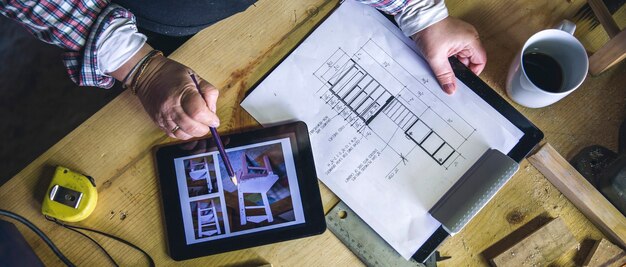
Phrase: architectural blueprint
pixel 385 137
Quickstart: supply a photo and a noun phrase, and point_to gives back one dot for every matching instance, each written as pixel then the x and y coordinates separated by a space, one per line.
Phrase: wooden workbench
pixel 114 146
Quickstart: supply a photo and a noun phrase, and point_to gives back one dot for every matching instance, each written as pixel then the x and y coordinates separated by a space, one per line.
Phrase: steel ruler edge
pixel 363 241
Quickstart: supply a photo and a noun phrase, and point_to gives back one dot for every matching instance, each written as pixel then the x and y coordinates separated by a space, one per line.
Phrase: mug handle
pixel 566 26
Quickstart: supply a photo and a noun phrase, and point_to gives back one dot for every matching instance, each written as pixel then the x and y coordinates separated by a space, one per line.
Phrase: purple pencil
pixel 218 142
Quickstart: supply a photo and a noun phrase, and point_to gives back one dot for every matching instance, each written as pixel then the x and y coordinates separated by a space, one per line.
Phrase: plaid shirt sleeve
pixel 75 25
pixel 390 7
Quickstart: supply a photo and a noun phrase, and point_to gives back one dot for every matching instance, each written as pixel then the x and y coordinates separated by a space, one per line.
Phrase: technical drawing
pixel 364 91
pixel 354 91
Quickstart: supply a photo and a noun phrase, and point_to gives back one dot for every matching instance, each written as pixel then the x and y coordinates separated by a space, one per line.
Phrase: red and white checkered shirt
pixel 76 25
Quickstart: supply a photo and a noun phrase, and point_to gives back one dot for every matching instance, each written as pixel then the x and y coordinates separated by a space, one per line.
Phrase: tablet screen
pixel 267 195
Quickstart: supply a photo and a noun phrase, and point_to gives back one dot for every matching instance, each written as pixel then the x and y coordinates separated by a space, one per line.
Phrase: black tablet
pixel 276 197
pixel 530 138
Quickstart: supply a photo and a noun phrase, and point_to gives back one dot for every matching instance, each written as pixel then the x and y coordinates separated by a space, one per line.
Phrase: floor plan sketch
pixel 361 100
pixel 385 138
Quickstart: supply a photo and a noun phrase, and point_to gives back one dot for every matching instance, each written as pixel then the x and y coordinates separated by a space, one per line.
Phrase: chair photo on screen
pixel 200 170
pixel 208 223
pixel 255 180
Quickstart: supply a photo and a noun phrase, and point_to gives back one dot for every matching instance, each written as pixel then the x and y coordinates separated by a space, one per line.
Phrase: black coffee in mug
pixel 543 71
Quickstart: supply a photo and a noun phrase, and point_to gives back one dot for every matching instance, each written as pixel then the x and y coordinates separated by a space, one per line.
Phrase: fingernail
pixel 215 123
pixel 213 108
pixel 449 88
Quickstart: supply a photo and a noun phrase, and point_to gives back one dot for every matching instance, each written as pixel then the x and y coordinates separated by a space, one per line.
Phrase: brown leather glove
pixel 172 100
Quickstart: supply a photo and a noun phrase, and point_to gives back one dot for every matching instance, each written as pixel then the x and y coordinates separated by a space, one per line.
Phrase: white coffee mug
pixel 561 46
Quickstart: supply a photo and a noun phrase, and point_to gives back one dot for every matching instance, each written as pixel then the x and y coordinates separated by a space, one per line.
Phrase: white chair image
pixel 199 171
pixel 207 218
pixel 255 180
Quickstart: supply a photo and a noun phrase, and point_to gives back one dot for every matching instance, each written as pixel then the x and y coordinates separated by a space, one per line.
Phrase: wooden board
pixel 114 145
pixel 590 115
pixel 605 254
pixel 604 17
pixel 540 248
pixel 613 52
pixel 581 193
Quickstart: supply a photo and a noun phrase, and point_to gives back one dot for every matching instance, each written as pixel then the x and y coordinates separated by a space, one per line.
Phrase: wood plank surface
pixel 590 115
pixel 541 247
pixel 581 193
pixel 114 146
pixel 612 53
pixel 604 16
pixel 605 254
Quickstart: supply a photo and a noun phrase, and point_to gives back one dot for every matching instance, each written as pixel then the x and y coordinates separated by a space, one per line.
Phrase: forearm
pixel 412 15
pixel 65 24
pixel 123 71
pixel 390 7
pixel 117 44
pixel 81 27
pixel 420 14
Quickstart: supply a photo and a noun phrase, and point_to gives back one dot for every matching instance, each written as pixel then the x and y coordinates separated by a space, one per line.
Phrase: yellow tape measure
pixel 71 196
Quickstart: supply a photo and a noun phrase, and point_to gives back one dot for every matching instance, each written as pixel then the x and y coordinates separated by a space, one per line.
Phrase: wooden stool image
pixel 255 180
pixel 207 218
pixel 199 171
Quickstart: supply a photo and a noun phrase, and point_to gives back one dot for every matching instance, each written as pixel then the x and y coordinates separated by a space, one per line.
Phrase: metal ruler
pixel 364 242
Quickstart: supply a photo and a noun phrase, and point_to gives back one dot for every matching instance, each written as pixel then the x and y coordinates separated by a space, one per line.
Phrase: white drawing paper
pixel 386 139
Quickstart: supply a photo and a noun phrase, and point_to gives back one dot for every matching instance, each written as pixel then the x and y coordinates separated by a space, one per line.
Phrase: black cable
pixel 92 240
pixel 40 234
pixel 58 252
pixel 150 260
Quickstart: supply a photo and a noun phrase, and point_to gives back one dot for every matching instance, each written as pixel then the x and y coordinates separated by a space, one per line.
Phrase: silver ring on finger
pixel 176 128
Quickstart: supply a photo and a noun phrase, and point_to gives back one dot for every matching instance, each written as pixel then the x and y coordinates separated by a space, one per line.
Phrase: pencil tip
pixel 234 179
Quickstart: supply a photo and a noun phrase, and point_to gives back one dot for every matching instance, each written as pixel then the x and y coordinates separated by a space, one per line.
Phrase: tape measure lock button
pixel 71 196
pixel 65 196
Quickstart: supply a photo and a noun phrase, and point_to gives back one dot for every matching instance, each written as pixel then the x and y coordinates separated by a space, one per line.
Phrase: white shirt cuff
pixel 119 42
pixel 419 14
